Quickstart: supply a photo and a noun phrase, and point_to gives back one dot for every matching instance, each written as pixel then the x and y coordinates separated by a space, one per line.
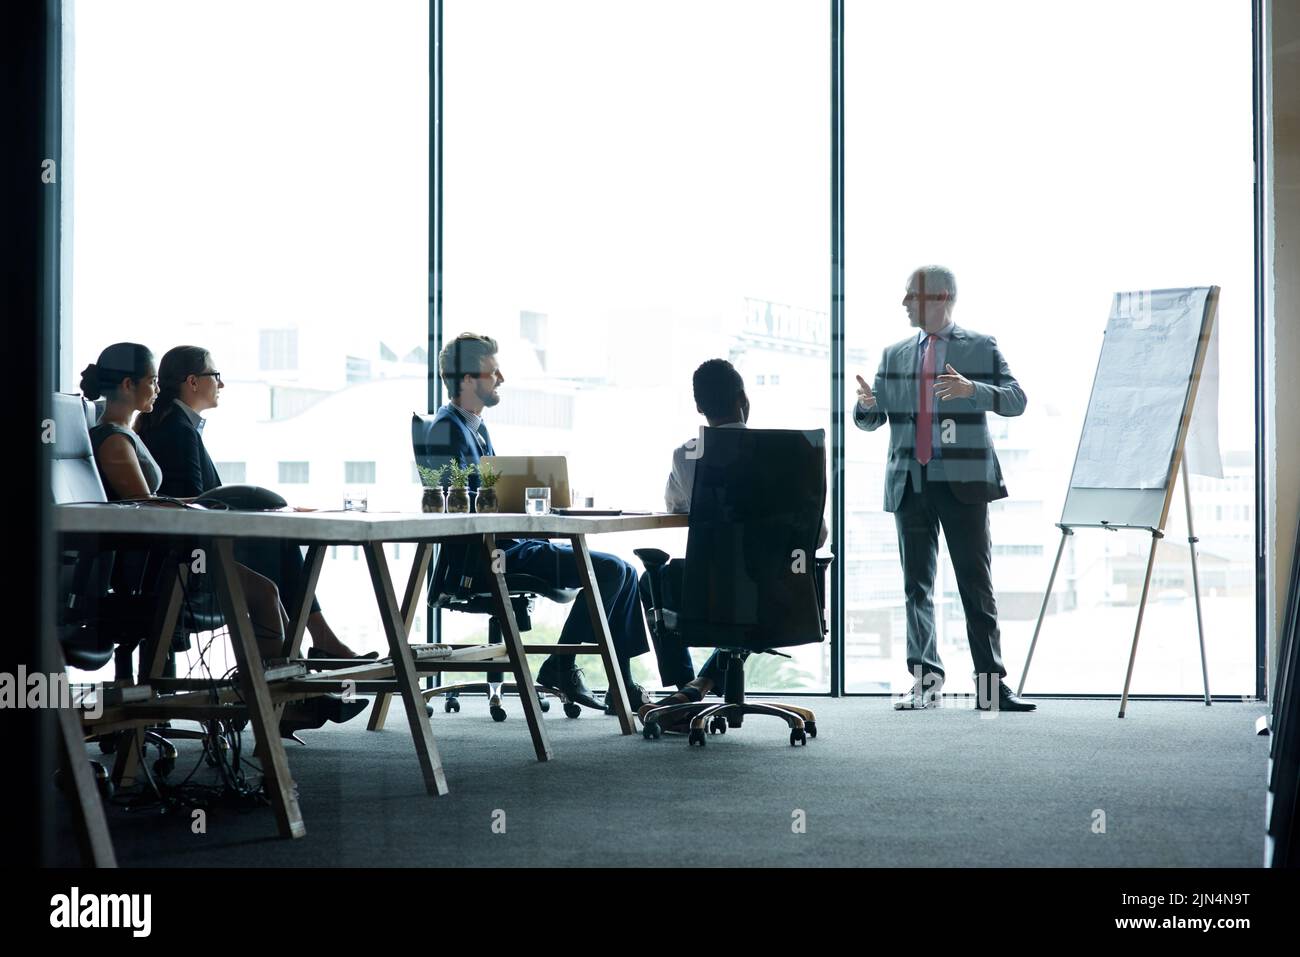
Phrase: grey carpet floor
pixel 1175 784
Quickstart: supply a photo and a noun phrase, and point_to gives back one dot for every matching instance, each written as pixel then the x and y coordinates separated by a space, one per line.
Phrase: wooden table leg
pixel 164 626
pixel 414 585
pixel 298 617
pixel 505 615
pixel 600 625
pixel 261 713
pixel 298 620
pixel 408 680
pixel 88 820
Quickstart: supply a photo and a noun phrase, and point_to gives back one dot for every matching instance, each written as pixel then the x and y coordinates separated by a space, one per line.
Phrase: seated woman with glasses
pixel 189 385
pixel 125 376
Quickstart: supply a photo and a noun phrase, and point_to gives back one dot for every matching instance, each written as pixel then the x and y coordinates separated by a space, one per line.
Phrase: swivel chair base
pixel 717 717
pixel 495 691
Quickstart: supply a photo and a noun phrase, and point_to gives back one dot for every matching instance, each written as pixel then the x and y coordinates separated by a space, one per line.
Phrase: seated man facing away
pixel 469 369
pixel 719 397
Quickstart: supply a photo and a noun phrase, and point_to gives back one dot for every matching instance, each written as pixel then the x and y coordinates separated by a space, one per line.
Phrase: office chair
pixel 446 591
pixel 751 580
pixel 109 596
pixel 92 620
pixel 524 591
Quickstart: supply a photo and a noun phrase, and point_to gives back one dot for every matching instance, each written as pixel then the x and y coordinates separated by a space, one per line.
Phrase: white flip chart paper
pixel 1147 358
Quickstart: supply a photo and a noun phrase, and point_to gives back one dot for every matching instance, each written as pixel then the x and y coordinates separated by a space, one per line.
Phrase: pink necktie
pixel 924 413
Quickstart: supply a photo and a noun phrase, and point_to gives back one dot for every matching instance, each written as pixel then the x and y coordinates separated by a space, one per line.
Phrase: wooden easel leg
pixel 1047 596
pixel 408 681
pixel 505 614
pixel 1196 579
pixel 600 625
pixel 1142 607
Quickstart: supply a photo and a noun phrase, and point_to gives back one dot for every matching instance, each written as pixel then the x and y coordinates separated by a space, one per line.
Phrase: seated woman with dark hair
pixel 126 378
pixel 172 430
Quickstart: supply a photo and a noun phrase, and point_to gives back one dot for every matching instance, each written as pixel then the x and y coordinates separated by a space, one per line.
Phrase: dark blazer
pixel 446 436
pixel 970 464
pixel 177 446
pixel 436 440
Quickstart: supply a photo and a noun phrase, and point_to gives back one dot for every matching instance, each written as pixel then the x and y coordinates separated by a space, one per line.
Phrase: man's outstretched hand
pixel 866 398
pixel 952 385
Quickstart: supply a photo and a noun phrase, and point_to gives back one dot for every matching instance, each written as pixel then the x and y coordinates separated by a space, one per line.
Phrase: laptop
pixel 519 472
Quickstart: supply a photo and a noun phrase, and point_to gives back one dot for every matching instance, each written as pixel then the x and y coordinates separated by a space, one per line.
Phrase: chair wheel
pixel 498 713
pixel 545 704
pixel 718 725
pixel 797 736
pixel 811 728
pixel 696 737
pixel 651 731
pixel 450 705
pixel 103 781
pixel 572 710
pixel 164 766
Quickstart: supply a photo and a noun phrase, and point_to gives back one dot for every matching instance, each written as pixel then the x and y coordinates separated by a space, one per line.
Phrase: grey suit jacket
pixel 969 462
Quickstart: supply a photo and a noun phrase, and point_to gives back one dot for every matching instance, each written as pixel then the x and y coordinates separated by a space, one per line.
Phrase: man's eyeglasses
pixel 215 375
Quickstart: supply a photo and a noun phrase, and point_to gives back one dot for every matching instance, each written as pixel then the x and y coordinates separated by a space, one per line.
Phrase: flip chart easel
pixel 1141 324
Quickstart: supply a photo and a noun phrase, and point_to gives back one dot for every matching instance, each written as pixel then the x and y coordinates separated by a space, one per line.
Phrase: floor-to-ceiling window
pixel 252 177
pixel 1051 155
pixel 631 189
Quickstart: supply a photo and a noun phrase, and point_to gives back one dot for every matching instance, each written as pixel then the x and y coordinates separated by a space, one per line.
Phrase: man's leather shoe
pixel 569 683
pixel 926 693
pixel 1006 698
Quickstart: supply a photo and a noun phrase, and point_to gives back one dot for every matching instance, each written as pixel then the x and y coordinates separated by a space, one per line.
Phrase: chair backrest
pixel 756 511
pixel 73 473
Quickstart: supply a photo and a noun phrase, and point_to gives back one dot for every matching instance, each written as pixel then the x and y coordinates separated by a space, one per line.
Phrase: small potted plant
pixel 431 479
pixel 486 500
pixel 458 494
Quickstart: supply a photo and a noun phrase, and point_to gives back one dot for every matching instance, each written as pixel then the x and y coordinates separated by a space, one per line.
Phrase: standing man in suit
pixel 934 389
pixel 469 369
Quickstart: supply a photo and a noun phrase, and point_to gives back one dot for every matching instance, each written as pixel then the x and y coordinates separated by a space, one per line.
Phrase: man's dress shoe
pixel 926 693
pixel 636 697
pixel 1006 698
pixel 569 683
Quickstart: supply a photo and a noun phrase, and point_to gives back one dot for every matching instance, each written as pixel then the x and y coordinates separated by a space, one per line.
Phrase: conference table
pixel 212 535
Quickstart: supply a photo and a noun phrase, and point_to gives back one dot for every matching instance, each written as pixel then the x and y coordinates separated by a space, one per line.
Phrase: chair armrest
pixel 823 563
pixel 651 558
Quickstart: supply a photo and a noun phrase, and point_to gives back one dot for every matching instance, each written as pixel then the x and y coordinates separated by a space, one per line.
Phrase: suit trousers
pixel 617 581
pixel 675 665
pixel 927 506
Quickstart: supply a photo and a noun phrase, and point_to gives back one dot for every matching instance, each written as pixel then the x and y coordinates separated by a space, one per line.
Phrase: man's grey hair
pixel 937 279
